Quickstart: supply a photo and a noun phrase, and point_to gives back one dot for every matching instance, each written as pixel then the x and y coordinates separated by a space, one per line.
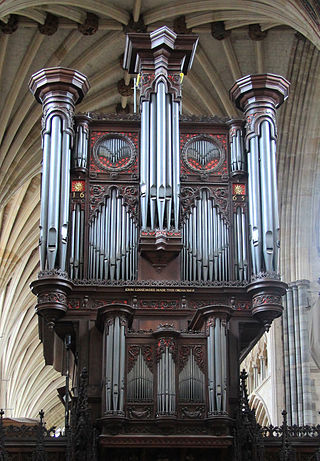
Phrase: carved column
pixel 258 96
pixel 58 89
pixel 113 319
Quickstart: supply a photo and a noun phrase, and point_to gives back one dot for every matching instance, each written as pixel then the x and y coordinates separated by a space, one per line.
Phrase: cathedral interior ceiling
pixel 286 42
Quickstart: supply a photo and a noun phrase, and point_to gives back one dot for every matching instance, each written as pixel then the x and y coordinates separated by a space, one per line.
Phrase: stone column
pixel 58 90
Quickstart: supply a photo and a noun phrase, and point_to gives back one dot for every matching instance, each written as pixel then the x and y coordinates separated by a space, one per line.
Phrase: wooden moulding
pixel 264 86
pixel 59 78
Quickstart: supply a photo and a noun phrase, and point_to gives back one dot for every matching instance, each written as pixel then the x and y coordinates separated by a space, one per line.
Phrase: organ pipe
pixel 160 75
pixel 115 365
pixel 259 96
pixel 217 369
pixel 58 90
pixel 191 381
pixel 112 241
pixel 160 160
pixel 206 242
pixel 77 242
pixel 237 152
pixel 140 381
pixel 80 151
pixel 240 244
pixel 166 394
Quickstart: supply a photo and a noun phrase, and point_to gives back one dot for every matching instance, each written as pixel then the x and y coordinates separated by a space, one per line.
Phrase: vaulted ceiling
pixel 237 37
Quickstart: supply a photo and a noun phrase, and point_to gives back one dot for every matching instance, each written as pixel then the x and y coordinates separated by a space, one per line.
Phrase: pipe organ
pixel 159 242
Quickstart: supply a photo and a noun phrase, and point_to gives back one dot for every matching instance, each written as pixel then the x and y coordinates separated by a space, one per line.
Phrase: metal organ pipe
pixel 217 366
pixel 140 381
pixel 112 241
pixel 258 96
pixel 166 394
pixel 206 242
pixel 191 382
pixel 115 365
pixel 77 242
pixel 80 152
pixel 160 160
pixel 240 244
pixel 58 90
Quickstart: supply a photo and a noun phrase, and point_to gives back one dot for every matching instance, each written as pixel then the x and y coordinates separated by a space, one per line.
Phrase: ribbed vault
pixel 277 36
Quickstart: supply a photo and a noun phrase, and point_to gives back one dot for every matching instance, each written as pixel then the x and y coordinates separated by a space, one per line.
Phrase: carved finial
pixel 41 414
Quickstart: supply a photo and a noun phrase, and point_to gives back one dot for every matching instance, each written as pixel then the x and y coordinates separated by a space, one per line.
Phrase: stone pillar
pixel 58 90
pixel 297 354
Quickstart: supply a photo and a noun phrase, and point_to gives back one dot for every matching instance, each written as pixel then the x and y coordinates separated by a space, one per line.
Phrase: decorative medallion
pixel 203 154
pixel 114 152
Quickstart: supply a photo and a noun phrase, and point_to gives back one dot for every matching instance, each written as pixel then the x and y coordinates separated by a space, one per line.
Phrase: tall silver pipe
pixel 109 367
pixel 204 231
pixel 254 205
pixel 118 238
pixel 239 150
pixel 113 233
pixel 224 365
pixel 176 161
pixel 102 241
pixel 210 240
pixel 81 243
pixel 153 157
pixel 77 240
pixel 168 161
pixel 161 152
pixel 266 197
pixel 217 362
pixel 211 383
pixel 116 363
pixel 276 223
pixel 44 196
pixel 54 191
pixel 72 242
pixel 122 366
pixel 144 162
